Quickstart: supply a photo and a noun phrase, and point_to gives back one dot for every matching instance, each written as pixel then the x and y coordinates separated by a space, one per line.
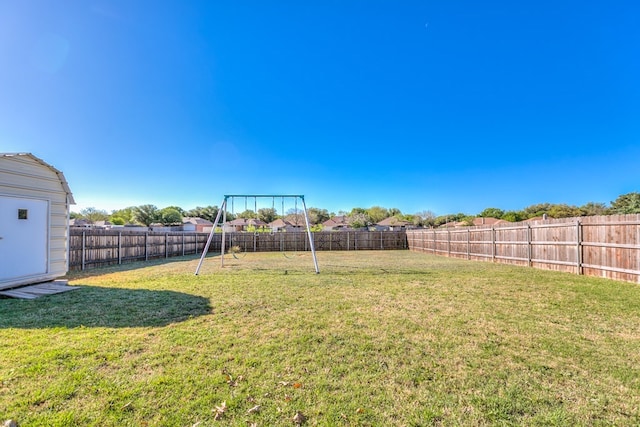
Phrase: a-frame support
pixel 223 212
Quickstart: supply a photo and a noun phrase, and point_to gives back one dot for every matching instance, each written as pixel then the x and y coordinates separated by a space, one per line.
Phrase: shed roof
pixel 63 181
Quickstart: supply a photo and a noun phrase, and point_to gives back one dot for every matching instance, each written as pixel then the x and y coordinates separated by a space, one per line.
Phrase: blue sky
pixel 448 106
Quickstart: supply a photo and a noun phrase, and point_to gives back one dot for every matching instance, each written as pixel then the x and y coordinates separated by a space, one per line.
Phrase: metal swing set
pixel 222 216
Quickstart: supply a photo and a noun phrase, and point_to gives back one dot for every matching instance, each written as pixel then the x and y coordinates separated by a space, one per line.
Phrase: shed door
pixel 23 237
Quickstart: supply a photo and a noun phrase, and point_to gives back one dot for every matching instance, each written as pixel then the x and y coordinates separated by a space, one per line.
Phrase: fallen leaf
pixel 254 409
pixel 220 410
pixel 297 385
pixel 299 418
pixel 359 411
pixel 284 383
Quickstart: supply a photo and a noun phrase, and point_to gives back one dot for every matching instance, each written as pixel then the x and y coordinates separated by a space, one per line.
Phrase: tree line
pixel 147 215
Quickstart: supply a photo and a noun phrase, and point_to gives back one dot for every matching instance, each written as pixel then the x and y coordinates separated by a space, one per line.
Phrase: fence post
pixel 448 242
pixel 468 243
pixel 493 244
pixel 119 248
pixel 146 246
pixel 182 243
pixel 529 245
pixel 355 240
pixel 381 242
pixel 434 241
pixel 579 247
pixel 84 235
pixel 166 245
pixel 347 240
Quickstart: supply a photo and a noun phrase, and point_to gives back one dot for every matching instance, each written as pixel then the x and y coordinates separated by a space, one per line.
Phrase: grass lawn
pixel 377 338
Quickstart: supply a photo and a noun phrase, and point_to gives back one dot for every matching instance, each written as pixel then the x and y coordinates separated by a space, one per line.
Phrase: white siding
pixel 24 175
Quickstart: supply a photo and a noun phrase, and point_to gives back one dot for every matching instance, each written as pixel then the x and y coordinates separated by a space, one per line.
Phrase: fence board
pixel 606 246
pixel 92 248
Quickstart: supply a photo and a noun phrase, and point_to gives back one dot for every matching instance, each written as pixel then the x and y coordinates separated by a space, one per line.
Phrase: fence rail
pixel 605 246
pixel 96 248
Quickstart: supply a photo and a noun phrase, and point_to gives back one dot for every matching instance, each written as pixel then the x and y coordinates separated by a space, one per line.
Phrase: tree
pixel 562 210
pixel 443 219
pixel 536 210
pixel 116 220
pixel 317 215
pixel 626 204
pixel 248 214
pixel 514 216
pixel 145 214
pixel 491 213
pixel 467 221
pixel 317 227
pixel 177 208
pixel 209 213
pixel 267 214
pixel 358 220
pixel 93 215
pixel 394 212
pixel 424 218
pixel 170 216
pixel 377 214
pixel 594 208
pixel 126 214
pixel 295 217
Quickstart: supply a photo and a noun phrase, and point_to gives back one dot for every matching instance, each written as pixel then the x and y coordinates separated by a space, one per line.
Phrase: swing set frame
pixel 222 215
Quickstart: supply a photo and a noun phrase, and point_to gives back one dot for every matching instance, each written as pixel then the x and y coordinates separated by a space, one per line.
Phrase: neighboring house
pixel 196 225
pixel 242 224
pixel 336 223
pixel 84 223
pixel 483 221
pixel 452 224
pixel 79 223
pixel 537 218
pixel 392 224
pixel 284 225
pixel 476 222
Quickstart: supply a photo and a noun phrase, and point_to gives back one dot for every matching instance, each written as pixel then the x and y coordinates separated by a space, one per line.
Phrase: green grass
pixel 378 338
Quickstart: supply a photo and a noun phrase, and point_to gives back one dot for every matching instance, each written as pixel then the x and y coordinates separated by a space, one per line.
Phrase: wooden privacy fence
pixel 605 246
pixel 92 248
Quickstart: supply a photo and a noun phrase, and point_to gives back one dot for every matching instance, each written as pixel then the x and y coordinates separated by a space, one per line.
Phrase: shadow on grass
pixel 100 270
pixel 93 306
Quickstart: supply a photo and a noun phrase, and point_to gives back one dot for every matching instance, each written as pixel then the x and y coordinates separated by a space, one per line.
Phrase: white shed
pixel 34 220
